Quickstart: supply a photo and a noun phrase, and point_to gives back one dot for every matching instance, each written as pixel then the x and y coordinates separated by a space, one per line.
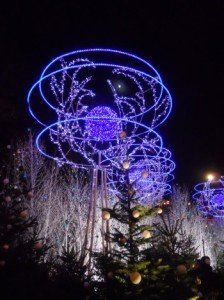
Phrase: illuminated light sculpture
pixel 159 167
pixel 209 197
pixel 98 108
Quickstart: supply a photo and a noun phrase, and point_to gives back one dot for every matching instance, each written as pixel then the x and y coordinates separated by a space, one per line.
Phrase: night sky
pixel 182 39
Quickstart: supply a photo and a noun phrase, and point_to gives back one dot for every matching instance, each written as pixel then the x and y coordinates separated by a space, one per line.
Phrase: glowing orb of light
pixel 102 124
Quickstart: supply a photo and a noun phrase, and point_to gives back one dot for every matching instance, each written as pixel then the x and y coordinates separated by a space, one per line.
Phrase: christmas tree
pixel 177 250
pixel 70 276
pixel 126 271
pixel 132 268
pixel 23 271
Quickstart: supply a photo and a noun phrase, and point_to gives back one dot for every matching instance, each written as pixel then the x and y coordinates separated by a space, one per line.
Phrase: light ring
pixel 101 65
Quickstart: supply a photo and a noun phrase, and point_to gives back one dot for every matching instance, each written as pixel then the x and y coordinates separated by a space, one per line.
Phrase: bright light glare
pixel 210 177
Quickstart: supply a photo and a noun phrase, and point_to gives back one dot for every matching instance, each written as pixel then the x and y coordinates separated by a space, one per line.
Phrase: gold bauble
pixel 126 164
pixel 135 213
pixel 123 240
pixel 135 277
pixel 159 210
pixel 2 263
pixel 5 247
pixel 147 234
pixel 38 245
pixel 123 134
pixel 145 174
pixel 30 194
pixel 8 199
pixel 23 214
pixel 181 269
pixel 110 274
pixel 198 281
pixel 9 226
pixel 131 191
pixel 5 181
pixel 105 215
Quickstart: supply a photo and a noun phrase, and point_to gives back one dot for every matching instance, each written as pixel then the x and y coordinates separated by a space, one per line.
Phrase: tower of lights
pixel 209 197
pixel 99 110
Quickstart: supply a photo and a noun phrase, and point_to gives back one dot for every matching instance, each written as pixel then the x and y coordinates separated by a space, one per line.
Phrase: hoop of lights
pixel 59 73
pixel 73 133
pixel 209 197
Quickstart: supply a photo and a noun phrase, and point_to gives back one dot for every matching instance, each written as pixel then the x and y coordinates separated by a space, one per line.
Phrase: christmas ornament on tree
pixel 181 269
pixel 159 210
pixel 136 213
pixel 38 245
pixel 147 234
pixel 135 277
pixel 8 199
pixel 2 263
pixel 110 275
pixel 122 134
pixel 198 281
pixel 5 247
pixel 9 226
pixel 131 191
pixel 126 164
pixel 30 194
pixel 145 174
pixel 123 240
pixel 105 215
pixel 5 181
pixel 23 214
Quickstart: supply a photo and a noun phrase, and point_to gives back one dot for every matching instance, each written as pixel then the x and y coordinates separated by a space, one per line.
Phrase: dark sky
pixel 182 39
